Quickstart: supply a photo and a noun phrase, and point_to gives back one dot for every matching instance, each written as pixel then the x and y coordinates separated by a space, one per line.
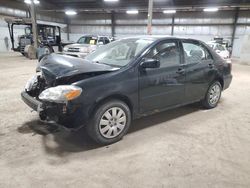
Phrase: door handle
pixel 180 71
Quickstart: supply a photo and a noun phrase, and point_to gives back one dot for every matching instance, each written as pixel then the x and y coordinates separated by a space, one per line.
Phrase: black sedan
pixel 124 80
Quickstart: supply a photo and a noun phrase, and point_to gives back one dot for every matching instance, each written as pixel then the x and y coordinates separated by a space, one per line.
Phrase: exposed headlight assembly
pixel 60 94
pixel 30 83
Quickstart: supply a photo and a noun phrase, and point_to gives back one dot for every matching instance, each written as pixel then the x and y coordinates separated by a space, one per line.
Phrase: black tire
pixel 47 50
pixel 93 127
pixel 206 102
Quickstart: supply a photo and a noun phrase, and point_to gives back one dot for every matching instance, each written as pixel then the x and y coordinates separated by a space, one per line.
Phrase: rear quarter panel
pixel 224 70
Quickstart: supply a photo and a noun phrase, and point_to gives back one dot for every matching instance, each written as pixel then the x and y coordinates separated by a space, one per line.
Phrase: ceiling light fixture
pixel 169 11
pixel 70 12
pixel 36 2
pixel 30 1
pixel 111 0
pixel 211 9
pixel 132 11
pixel 27 1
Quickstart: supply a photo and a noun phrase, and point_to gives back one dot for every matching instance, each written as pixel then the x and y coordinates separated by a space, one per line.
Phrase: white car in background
pixel 85 45
pixel 220 50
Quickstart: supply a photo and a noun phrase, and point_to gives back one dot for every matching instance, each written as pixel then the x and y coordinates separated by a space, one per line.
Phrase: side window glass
pixel 167 53
pixel 195 53
pixel 106 40
pixel 101 40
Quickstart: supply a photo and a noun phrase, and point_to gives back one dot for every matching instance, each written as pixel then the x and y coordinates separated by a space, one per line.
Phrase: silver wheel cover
pixel 214 94
pixel 112 122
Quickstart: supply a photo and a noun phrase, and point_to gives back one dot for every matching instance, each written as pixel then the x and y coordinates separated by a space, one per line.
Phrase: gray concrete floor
pixel 185 147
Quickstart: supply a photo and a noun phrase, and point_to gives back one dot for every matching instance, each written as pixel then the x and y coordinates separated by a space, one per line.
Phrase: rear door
pixel 198 64
pixel 162 87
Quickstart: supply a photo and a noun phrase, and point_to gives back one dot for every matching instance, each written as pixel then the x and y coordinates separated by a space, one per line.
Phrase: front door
pixel 162 87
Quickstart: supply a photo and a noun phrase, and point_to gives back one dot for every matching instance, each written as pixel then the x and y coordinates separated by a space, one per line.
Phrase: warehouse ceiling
pixel 142 3
pixel 121 5
pixel 92 4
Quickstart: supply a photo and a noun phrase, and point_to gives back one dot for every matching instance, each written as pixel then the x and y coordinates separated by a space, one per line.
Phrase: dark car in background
pixel 124 80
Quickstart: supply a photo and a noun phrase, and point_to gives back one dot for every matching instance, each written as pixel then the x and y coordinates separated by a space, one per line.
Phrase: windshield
pixel 220 47
pixel 119 53
pixel 87 40
pixel 217 46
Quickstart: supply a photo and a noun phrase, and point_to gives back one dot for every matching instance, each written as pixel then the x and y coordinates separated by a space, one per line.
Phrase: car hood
pixel 56 66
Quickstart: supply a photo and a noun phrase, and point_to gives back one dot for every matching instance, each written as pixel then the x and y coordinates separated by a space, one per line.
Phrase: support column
pixel 27 14
pixel 68 31
pixel 150 17
pixel 34 24
pixel 172 29
pixel 67 21
pixel 113 23
pixel 235 26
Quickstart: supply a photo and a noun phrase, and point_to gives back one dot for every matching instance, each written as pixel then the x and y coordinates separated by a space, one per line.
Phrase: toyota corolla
pixel 125 80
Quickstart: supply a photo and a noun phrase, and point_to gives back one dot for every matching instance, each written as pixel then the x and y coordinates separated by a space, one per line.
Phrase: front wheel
pixel 212 96
pixel 110 122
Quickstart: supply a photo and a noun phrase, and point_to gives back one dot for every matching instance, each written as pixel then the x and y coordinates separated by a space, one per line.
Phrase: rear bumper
pixel 227 81
pixel 68 115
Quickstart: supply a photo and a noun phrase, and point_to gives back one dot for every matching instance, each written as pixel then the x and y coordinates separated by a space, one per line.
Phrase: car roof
pixel 94 36
pixel 157 37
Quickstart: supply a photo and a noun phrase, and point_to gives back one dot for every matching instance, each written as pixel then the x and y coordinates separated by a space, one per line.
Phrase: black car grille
pixel 74 50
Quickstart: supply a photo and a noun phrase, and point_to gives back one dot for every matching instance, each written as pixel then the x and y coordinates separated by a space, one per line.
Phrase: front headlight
pixel 60 94
pixel 84 50
pixel 65 49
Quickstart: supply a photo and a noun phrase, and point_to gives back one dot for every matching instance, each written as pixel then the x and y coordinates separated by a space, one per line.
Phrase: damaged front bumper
pixel 32 102
pixel 63 114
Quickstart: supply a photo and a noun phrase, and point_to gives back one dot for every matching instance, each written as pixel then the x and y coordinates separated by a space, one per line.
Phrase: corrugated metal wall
pixel 201 25
pixel 5 44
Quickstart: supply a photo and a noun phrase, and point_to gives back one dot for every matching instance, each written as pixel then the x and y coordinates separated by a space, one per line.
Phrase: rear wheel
pixel 110 122
pixel 212 96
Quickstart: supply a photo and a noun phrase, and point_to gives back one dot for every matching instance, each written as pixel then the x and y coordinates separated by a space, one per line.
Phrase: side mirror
pixel 150 63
